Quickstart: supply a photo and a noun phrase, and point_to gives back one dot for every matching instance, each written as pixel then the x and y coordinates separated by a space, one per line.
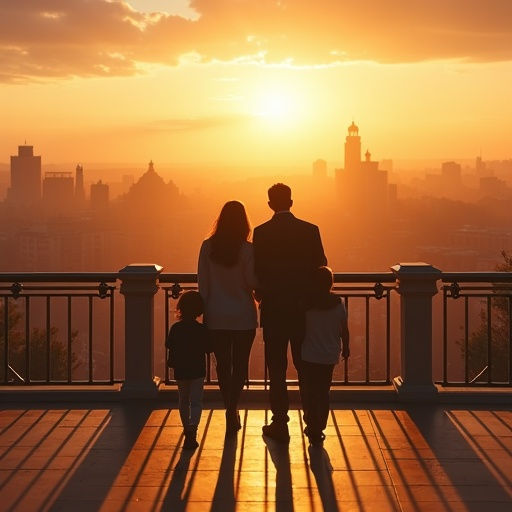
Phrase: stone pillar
pixel 417 284
pixel 139 286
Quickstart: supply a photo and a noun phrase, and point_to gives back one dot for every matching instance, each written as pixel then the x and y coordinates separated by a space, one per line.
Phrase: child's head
pixel 323 280
pixel 189 305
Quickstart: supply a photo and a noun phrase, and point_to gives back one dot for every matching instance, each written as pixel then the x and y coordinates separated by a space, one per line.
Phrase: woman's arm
pixel 203 270
pixel 248 266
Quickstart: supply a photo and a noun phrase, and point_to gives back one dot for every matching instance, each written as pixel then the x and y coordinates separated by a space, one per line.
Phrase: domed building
pixel 151 196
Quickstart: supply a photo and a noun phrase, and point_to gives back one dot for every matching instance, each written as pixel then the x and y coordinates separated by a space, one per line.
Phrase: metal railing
pixel 368 301
pixel 63 329
pixel 57 328
pixel 477 313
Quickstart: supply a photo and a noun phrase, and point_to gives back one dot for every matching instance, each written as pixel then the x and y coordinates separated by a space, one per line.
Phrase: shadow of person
pixel 224 497
pixel 321 466
pixel 175 495
pixel 281 459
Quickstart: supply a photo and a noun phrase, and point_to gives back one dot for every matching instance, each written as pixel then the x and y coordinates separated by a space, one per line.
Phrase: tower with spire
pixel 362 189
pixel 352 148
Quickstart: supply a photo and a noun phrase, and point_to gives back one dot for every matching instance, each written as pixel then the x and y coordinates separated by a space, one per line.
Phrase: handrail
pixel 63 277
pixel 339 277
pixel 186 277
pixel 476 277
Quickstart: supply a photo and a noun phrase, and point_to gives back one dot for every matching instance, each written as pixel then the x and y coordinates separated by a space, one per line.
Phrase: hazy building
pixel 51 246
pixel 352 148
pixel 127 182
pixel 387 164
pixel 362 189
pixel 25 187
pixel 320 168
pixel 480 167
pixel 79 186
pixel 100 195
pixel 451 172
pixel 58 192
pixel 491 186
pixel 150 197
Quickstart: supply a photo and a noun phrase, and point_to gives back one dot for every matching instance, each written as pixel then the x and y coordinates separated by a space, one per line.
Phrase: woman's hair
pixel 189 305
pixel 321 296
pixel 231 229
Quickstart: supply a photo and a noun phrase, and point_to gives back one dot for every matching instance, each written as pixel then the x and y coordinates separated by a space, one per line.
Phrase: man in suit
pixel 286 252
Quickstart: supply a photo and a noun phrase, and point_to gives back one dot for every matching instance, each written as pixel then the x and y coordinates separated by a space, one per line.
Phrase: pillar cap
pixel 140 269
pixel 417 269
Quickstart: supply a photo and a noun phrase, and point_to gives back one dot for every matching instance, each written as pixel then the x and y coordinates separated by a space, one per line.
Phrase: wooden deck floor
pixel 128 457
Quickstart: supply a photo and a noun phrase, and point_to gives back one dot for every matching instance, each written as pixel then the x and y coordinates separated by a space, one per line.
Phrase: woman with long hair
pixel 226 282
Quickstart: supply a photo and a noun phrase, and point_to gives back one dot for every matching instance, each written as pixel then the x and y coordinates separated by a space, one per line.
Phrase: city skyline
pixel 254 82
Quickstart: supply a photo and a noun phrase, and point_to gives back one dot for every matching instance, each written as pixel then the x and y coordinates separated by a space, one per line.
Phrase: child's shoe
pixel 190 442
pixel 316 439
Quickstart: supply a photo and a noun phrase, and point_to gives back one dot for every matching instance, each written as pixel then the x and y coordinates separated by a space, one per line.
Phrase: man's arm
pixel 318 249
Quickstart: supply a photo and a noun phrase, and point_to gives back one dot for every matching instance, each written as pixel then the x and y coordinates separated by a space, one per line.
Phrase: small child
pixel 326 333
pixel 188 341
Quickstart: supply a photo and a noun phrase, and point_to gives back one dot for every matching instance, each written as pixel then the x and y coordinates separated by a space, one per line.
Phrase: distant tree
pixel 39 344
pixel 494 331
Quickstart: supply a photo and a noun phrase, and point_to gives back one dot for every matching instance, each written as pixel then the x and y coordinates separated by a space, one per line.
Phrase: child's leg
pixel 196 400
pixel 324 381
pixel 309 395
pixel 184 391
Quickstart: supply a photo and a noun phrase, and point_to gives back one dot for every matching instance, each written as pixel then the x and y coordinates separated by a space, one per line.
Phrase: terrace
pixel 421 416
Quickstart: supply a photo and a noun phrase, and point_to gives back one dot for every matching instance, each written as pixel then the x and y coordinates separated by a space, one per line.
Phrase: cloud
pixel 48 39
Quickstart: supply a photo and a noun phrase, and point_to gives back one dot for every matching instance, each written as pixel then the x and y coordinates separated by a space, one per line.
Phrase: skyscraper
pixel 99 196
pixel 79 186
pixel 25 187
pixel 58 192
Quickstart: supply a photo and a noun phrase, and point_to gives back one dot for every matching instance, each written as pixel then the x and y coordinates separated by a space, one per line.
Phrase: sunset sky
pixel 258 81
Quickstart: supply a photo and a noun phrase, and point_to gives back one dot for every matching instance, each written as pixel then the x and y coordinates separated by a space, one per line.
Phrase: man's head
pixel 280 197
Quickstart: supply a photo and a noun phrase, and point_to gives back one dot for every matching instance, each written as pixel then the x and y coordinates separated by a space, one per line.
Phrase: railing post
pixel 139 286
pixel 417 284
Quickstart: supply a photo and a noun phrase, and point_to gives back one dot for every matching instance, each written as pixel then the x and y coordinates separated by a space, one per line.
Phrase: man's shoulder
pixel 284 217
pixel 262 227
pixel 307 224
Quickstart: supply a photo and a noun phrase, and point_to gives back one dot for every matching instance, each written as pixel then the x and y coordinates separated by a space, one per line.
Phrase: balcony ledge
pixel 257 396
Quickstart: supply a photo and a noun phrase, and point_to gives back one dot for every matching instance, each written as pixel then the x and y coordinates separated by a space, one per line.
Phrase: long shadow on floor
pixel 445 465
pixel 321 467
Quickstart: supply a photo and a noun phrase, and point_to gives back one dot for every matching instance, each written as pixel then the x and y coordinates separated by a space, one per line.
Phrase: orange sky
pixel 254 80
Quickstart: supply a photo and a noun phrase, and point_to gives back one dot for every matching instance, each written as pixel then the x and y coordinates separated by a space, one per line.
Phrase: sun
pixel 276 106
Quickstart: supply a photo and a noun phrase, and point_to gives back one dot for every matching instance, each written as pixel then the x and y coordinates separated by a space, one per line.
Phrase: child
pixel 188 342
pixel 326 333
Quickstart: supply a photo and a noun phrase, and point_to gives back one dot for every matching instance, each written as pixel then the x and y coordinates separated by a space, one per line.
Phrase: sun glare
pixel 276 106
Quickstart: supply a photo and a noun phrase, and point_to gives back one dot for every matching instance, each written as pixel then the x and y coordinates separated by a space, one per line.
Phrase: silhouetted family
pixel 284 271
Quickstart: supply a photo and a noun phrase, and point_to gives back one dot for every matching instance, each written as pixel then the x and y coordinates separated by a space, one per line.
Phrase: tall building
pixel 352 148
pixel 320 168
pixel 362 189
pixel 25 187
pixel 79 186
pixel 58 192
pixel 99 195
